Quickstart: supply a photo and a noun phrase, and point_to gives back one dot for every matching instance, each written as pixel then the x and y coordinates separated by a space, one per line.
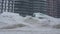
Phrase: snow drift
pixel 10 20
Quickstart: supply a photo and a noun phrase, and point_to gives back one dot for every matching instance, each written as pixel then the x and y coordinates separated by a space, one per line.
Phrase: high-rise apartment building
pixel 28 7
pixel 53 8
pixel 23 7
pixel 6 6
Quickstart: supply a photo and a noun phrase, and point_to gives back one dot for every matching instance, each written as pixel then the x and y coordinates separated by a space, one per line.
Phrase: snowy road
pixel 42 31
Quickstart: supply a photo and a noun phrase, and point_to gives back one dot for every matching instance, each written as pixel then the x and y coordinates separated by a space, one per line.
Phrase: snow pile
pixel 52 21
pixel 12 15
pixel 38 23
pixel 12 20
pixel 9 19
pixel 15 21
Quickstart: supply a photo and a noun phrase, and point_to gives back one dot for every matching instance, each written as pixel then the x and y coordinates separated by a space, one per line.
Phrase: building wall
pixel 21 7
pixel 0 6
pixel 6 6
pixel 28 7
pixel 53 8
pixel 58 8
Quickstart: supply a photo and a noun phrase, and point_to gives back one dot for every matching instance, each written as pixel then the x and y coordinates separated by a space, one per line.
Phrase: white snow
pixel 29 25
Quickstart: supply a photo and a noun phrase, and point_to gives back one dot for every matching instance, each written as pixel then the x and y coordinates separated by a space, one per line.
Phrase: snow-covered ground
pixel 13 23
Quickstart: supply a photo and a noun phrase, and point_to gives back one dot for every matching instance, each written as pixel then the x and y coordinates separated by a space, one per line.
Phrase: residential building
pixel 28 7
pixel 53 8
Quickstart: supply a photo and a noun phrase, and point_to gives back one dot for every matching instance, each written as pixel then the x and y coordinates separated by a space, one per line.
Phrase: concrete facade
pixel 6 6
pixel 28 7
pixel 53 8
